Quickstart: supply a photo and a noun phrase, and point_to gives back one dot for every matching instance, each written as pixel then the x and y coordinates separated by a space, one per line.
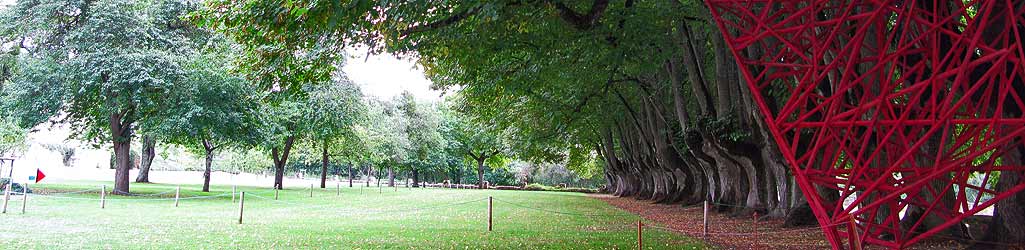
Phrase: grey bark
pixel 148 153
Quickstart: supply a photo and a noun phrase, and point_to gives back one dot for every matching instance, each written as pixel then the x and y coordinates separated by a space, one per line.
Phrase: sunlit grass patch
pixel 385 219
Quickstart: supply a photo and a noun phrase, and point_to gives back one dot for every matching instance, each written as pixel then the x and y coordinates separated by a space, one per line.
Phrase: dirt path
pixel 733 233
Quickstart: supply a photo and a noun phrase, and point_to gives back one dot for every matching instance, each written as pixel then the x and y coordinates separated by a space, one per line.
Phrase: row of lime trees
pixel 162 86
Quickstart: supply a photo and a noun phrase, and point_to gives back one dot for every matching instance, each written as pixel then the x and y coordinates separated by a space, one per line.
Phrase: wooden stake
pixel 103 196
pixel 24 198
pixel 311 189
pixel 338 188
pixel 490 213
pixel 177 193
pixel 241 205
pixel 276 194
pixel 704 219
pixel 640 235
pixel 856 241
pixel 7 195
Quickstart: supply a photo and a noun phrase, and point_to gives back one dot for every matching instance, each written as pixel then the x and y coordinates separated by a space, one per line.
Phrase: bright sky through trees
pixel 386 76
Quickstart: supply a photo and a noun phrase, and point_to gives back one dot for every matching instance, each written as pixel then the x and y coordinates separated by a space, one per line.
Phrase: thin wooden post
pixel 640 235
pixel 704 230
pixel 490 213
pixel 103 196
pixel 233 192
pixel 7 195
pixel 241 205
pixel 338 188
pixel 311 189
pixel 24 198
pixel 856 240
pixel 276 194
pixel 177 194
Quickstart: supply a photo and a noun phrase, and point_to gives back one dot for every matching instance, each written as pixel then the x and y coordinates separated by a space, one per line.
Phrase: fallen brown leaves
pixel 735 233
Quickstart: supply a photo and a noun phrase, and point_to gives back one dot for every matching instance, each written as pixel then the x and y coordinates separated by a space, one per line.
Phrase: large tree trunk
pixel 209 164
pixel 1007 228
pixel 323 166
pixel 148 153
pixel 480 173
pixel 703 161
pixel 121 134
pixel 280 159
pixel 944 196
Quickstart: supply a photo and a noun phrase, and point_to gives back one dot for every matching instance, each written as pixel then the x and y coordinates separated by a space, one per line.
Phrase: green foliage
pixel 12 138
pixel 383 135
pixel 554 175
pixel 522 71
pixel 585 162
pixel 475 138
pixel 36 92
pixel 421 128
pixel 496 177
pixel 541 187
pixel 727 128
pixel 281 120
pixel 276 62
pixel 108 57
pixel 212 108
pixel 333 111
pixel 243 160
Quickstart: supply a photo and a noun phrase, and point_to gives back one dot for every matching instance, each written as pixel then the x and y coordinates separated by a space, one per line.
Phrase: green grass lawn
pixel 389 219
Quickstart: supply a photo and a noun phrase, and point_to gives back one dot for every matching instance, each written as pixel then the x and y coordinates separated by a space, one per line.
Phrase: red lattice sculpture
pixel 887 110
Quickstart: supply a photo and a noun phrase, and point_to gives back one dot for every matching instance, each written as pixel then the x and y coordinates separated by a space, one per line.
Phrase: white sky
pixel 386 76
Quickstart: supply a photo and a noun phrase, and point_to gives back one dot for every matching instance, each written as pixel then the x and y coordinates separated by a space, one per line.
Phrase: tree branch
pixel 443 22
pixel 581 21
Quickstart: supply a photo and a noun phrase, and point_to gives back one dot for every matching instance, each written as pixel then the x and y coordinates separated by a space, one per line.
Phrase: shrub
pixel 541 187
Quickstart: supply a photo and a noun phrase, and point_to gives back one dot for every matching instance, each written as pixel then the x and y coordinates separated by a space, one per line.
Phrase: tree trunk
pixel 148 153
pixel 280 159
pixel 350 175
pixel 1007 228
pixel 416 178
pixel 391 176
pixel 279 172
pixel 122 139
pixel 480 173
pixel 323 166
pixel 206 171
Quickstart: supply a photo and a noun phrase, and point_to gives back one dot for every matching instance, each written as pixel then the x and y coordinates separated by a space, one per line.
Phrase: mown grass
pixel 354 219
